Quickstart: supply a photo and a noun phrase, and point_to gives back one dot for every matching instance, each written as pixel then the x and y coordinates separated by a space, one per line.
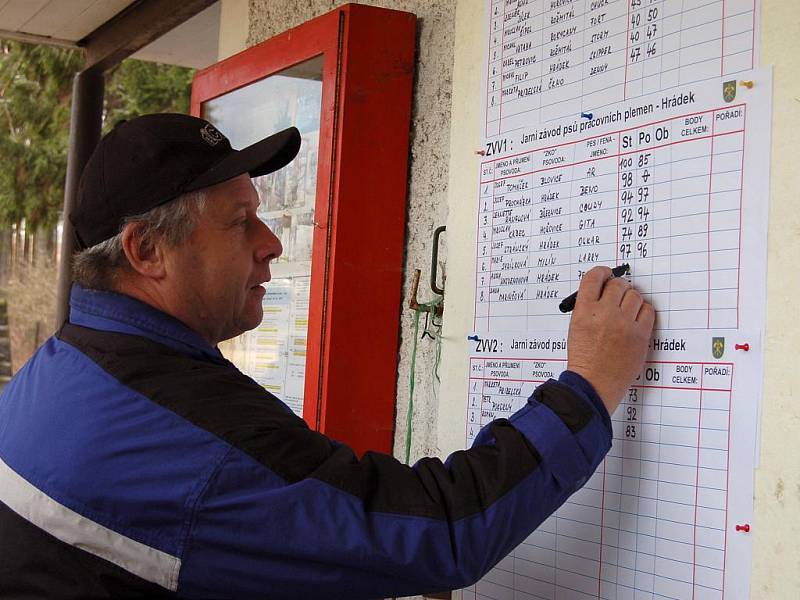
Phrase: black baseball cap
pixel 150 160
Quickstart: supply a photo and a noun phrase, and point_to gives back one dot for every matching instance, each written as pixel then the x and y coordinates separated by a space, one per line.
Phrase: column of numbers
pixel 475 401
pixel 644 55
pixel 636 204
pixel 644 32
pixel 647 215
pixel 483 265
pixel 625 461
pixel 494 82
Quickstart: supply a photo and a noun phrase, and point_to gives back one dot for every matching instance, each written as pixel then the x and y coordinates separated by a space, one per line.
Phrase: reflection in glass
pixel 274 353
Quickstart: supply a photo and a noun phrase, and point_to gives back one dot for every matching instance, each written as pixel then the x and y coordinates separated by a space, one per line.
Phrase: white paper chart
pixel 548 59
pixel 674 185
pixel 658 518
pixel 629 131
pixel 274 353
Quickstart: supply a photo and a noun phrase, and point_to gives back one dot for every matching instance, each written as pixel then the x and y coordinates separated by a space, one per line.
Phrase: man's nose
pixel 269 246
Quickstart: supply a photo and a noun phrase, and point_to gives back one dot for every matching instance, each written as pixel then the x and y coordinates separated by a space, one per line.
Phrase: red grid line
pixel 610 156
pixel 753 43
pixel 488 67
pixel 727 492
pixel 602 515
pixel 741 201
pixel 502 41
pixel 627 49
pixel 694 525
pixel 619 154
pixel 642 126
pixel 650 362
pixel 708 224
pixel 697 491
pixel 627 39
pixel 722 42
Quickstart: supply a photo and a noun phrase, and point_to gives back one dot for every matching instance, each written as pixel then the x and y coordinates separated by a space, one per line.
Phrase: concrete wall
pixel 776 558
pixel 427 200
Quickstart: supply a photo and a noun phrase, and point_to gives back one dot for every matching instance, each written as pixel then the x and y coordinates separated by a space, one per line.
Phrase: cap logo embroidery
pixel 210 135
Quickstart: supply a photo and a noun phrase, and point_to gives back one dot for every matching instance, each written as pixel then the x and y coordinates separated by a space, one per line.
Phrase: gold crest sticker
pixel 718 346
pixel 729 91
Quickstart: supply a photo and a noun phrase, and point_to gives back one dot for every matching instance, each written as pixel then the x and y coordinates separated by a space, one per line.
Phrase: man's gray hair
pixel 99 266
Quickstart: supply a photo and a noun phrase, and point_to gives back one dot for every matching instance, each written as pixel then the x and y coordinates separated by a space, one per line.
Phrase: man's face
pixel 216 275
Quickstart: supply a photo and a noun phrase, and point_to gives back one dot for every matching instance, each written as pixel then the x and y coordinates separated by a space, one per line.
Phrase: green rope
pixel 430 306
pixel 410 411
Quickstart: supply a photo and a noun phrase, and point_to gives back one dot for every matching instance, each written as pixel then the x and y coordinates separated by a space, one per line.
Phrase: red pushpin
pixel 745 528
pixel 745 347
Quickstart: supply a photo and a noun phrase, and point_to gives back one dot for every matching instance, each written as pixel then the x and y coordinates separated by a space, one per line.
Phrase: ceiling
pixel 64 22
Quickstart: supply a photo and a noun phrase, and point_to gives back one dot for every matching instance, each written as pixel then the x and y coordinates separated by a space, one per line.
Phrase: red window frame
pixel 360 210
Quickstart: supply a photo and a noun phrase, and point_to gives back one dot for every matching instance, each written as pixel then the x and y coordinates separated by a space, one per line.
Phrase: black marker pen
pixel 568 303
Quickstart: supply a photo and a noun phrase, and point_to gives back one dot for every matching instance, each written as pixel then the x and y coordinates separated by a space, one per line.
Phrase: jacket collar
pixel 110 311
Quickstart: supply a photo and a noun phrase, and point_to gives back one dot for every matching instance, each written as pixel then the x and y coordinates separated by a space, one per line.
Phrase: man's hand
pixel 608 334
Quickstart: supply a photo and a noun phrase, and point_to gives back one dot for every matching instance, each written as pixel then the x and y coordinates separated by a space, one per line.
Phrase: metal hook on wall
pixel 435 261
pixel 435 308
pixel 413 304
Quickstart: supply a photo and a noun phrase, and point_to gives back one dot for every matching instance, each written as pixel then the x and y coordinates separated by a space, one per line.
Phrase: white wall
pixel 234 27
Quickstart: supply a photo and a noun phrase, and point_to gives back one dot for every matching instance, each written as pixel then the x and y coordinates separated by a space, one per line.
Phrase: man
pixel 135 461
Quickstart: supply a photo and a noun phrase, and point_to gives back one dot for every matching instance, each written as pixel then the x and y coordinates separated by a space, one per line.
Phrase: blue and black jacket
pixel 136 462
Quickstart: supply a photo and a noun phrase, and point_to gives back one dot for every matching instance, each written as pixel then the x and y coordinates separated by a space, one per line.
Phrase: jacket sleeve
pixel 289 513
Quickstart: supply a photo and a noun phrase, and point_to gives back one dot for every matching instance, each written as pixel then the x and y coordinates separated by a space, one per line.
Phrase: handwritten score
pixel 548 59
pixel 664 197
pixel 658 517
pixel 618 131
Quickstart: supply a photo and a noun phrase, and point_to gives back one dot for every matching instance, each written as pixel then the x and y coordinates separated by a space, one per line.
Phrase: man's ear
pixel 145 254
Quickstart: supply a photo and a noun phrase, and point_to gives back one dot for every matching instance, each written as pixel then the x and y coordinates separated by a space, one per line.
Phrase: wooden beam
pixel 134 28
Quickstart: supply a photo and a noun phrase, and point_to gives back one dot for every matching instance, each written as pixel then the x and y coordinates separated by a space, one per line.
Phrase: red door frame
pixel 357 251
